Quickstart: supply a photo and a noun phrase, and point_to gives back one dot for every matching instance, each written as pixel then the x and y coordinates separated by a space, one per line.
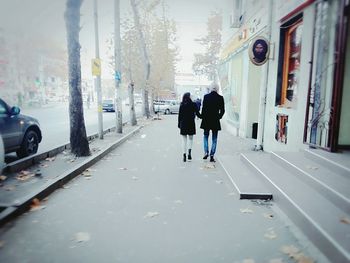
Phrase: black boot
pixel 189 154
pixel 184 157
pixel 212 159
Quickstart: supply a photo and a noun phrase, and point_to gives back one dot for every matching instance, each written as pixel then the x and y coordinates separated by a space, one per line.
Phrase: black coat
pixel 186 118
pixel 212 111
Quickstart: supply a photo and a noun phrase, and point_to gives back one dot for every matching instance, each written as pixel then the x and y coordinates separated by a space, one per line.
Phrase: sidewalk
pixel 141 203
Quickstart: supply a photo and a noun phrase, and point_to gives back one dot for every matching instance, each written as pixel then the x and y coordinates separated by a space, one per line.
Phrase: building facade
pixel 298 97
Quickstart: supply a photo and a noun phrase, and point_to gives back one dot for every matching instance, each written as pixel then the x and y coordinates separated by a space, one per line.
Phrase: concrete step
pixel 312 212
pixel 333 186
pixel 337 162
pixel 245 181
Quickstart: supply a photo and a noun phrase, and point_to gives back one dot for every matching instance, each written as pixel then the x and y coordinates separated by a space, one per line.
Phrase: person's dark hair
pixel 186 98
pixel 260 56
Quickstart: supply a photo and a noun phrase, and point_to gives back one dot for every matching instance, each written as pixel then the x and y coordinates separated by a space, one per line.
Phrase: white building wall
pixel 296 116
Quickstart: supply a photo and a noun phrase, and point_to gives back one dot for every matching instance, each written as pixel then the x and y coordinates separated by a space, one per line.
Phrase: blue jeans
pixel 214 137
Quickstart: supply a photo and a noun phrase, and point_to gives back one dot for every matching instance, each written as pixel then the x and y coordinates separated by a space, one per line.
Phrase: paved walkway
pixel 141 203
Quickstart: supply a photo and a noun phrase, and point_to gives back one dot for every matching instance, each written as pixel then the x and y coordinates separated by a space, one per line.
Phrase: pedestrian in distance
pixel 187 113
pixel 212 111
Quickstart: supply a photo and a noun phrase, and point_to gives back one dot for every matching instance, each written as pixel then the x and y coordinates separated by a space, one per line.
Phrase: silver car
pixel 166 106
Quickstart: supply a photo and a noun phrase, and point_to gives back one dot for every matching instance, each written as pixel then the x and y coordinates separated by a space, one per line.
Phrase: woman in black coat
pixel 187 113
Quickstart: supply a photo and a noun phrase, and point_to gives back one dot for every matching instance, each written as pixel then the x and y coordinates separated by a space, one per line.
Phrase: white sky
pixel 46 16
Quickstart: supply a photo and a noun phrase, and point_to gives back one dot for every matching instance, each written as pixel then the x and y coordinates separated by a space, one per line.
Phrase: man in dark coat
pixel 212 111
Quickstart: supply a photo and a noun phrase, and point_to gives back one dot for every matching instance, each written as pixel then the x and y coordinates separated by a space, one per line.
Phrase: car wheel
pixel 30 144
pixel 167 111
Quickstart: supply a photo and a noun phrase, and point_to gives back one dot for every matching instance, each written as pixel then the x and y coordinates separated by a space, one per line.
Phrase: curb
pixel 36 158
pixel 11 212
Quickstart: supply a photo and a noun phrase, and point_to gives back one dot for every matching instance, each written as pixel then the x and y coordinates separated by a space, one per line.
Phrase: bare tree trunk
pixel 133 120
pixel 152 100
pixel 117 67
pixel 78 139
pixel 147 65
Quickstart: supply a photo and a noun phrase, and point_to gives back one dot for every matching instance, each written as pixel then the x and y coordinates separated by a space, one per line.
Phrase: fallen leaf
pixel 50 159
pixel 345 220
pixel 24 172
pixel 24 176
pixel 143 136
pixel 291 250
pixel 10 188
pixel 310 167
pixel 151 214
pixel 82 237
pixel 270 234
pixel 303 259
pixel 246 210
pixel 209 166
pixel 86 174
pixel 3 177
pixel 269 216
pixel 35 206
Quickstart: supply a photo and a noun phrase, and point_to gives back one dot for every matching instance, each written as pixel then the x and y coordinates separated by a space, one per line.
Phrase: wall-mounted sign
pixel 259 51
pixel 96 67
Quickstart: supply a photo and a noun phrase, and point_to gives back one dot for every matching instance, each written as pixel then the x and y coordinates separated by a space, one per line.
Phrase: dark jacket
pixel 212 111
pixel 186 117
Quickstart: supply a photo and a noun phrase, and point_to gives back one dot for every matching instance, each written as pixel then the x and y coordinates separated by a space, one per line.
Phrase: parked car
pixel 166 106
pixel 108 105
pixel 20 133
pixel 2 155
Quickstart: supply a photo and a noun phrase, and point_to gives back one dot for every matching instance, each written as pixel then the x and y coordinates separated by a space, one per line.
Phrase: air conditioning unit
pixel 236 20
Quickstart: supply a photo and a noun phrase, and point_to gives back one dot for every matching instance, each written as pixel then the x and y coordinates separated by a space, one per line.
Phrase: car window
pixel 3 109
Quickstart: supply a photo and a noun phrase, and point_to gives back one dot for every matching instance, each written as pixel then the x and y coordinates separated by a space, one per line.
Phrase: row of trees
pixel 148 60
pixel 206 63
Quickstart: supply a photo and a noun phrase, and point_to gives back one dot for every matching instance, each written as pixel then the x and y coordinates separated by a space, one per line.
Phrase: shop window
pixel 281 128
pixel 289 63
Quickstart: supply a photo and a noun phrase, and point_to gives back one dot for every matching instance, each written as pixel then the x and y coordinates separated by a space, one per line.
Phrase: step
pixel 333 186
pixel 243 179
pixel 318 218
pixel 337 162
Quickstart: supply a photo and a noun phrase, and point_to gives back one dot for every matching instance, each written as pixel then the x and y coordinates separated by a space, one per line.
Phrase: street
pixel 142 203
pixel 54 123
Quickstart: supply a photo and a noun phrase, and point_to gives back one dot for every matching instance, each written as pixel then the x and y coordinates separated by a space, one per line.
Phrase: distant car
pixel 108 105
pixel 166 106
pixel 20 133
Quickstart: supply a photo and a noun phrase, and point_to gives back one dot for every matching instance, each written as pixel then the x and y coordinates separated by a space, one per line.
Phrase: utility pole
pixel 97 65
pixel 117 67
